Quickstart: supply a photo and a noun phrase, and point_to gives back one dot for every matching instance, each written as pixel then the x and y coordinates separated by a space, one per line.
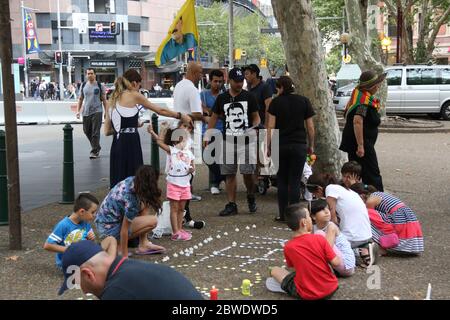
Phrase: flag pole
pixel 24 51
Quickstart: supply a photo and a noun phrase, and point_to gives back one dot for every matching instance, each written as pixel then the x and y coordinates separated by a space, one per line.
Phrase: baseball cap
pixel 75 255
pixel 236 74
pixel 253 68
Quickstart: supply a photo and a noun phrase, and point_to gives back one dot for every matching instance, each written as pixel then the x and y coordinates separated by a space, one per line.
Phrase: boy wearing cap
pixel 260 90
pixel 117 278
pixel 239 111
pixel 73 228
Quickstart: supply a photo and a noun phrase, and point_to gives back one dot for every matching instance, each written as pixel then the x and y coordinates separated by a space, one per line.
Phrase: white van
pixel 412 89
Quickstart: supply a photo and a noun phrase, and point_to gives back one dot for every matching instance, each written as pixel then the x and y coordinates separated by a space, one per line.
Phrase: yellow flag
pixel 182 35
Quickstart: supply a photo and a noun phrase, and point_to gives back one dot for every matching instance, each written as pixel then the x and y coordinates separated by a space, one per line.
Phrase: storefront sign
pixel 103 64
pixel 101 34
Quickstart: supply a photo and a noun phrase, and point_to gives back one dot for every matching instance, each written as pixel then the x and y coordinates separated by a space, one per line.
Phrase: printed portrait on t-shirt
pixel 236 120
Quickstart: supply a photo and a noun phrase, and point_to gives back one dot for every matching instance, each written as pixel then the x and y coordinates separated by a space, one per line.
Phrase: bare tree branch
pixel 391 7
pixel 439 23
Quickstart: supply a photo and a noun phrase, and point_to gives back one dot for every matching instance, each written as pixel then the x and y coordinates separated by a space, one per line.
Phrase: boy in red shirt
pixel 309 254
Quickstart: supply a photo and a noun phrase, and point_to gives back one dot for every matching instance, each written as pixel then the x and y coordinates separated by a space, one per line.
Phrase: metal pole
pixel 61 77
pixel 68 173
pixel 343 31
pixel 24 51
pixel 12 154
pixel 69 70
pixel 155 148
pixel 3 182
pixel 399 28
pixel 230 34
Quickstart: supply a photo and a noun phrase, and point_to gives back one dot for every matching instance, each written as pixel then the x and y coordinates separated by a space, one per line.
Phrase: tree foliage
pixel 328 28
pixel 247 36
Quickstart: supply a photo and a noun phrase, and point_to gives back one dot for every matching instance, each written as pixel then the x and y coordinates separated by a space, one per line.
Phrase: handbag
pixel 163 227
pixel 390 240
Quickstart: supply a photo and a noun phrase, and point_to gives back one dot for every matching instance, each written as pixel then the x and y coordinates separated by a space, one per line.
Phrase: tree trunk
pixel 424 22
pixel 407 34
pixel 361 45
pixel 306 62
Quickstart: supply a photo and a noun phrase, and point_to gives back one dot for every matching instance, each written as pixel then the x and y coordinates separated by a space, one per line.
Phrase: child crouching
pixel 321 215
pixel 73 228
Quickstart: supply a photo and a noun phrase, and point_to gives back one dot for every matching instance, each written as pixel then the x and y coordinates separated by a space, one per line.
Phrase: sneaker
pixel 181 236
pixel 196 198
pixel 186 231
pixel 230 209
pixel 273 285
pixel 93 155
pixel 252 204
pixel 215 190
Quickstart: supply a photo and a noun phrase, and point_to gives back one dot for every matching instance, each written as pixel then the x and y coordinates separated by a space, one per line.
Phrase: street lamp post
pixel 385 44
pixel 345 40
pixel 61 78
pixel 230 35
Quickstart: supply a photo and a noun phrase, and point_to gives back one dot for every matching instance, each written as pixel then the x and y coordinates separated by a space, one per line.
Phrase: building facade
pixel 441 53
pixel 86 38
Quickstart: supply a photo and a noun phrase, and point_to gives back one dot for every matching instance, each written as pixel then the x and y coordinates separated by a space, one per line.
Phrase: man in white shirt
pixel 186 99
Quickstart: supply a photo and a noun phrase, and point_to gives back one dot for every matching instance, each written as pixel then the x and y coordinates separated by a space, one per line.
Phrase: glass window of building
pixel 102 6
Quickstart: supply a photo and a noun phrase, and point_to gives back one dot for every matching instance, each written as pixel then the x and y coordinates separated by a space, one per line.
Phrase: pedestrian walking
pixel 42 90
pixel 92 100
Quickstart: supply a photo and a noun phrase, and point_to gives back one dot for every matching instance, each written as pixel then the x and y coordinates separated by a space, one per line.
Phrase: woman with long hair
pixel 291 114
pixel 125 212
pixel 122 121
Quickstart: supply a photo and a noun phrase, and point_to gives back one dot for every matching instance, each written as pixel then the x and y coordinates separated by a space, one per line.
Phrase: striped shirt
pixel 393 211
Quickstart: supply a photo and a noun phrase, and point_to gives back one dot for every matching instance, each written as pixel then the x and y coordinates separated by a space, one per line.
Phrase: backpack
pixel 99 86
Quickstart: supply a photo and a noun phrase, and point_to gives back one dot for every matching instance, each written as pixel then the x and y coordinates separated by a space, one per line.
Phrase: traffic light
pixel 237 54
pixel 112 27
pixel 263 63
pixel 58 57
pixel 29 63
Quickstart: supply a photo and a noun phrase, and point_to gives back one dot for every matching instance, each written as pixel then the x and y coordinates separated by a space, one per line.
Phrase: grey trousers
pixel 91 127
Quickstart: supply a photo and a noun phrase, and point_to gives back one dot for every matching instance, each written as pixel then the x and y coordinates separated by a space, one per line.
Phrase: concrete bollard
pixel 68 193
pixel 3 181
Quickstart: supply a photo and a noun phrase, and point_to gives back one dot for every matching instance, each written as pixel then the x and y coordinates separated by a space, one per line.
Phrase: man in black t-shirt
pixel 239 111
pixel 260 90
pixel 117 278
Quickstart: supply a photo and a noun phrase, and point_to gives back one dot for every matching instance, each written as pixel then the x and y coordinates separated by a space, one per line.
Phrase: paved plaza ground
pixel 415 167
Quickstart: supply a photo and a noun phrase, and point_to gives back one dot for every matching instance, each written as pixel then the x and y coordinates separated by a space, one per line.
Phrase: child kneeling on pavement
pixel 309 255
pixel 73 228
